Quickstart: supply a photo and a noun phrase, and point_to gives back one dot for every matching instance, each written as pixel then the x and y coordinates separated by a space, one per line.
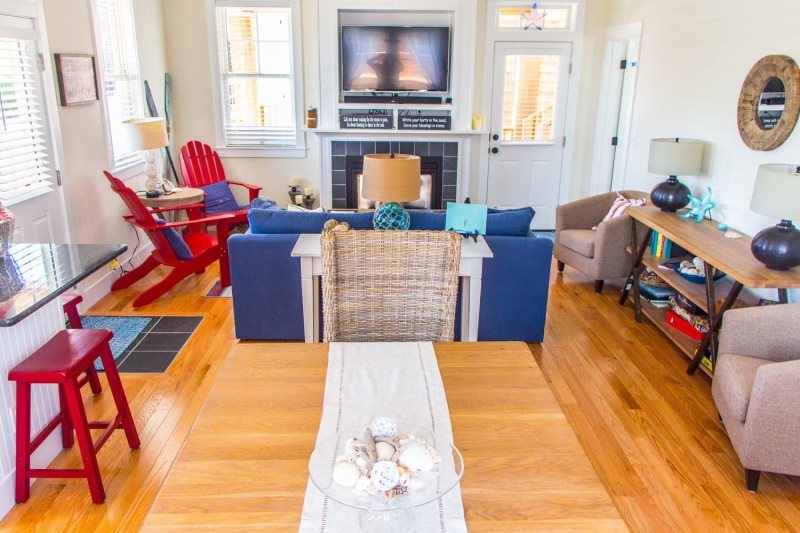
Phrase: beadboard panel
pixel 17 343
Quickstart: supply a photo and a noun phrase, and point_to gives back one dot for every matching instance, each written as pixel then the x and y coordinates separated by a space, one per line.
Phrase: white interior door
pixel 28 184
pixel 529 98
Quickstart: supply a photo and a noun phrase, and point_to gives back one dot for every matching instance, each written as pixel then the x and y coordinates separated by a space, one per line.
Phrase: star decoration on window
pixel 533 18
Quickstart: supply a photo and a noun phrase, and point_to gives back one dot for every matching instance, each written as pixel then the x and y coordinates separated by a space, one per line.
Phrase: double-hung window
pixel 26 164
pixel 119 65
pixel 257 53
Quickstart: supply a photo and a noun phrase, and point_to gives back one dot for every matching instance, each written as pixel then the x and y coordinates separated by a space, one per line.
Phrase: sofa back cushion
pixel 505 223
pixel 269 221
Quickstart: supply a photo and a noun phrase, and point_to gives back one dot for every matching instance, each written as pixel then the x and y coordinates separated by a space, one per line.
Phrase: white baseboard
pixel 41 458
pixel 97 286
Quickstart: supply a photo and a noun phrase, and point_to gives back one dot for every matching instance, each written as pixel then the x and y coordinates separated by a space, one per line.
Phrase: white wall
pixel 695 56
pixel 94 211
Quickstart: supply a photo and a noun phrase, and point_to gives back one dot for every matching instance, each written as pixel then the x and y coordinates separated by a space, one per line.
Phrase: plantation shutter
pixel 257 86
pixel 26 168
pixel 121 80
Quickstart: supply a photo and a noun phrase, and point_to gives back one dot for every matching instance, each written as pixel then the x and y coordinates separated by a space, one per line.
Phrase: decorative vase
pixel 391 216
pixel 670 195
pixel 778 247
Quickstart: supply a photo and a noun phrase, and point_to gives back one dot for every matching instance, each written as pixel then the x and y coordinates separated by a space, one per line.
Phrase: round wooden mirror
pixel 769 104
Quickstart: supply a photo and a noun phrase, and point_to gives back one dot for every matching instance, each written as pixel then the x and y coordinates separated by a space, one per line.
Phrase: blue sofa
pixel 267 301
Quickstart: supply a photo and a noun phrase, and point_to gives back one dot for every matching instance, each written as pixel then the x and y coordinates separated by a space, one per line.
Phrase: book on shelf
pixel 652 292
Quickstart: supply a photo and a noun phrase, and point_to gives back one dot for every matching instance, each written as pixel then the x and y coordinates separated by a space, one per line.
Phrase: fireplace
pixel 439 180
pixel 430 189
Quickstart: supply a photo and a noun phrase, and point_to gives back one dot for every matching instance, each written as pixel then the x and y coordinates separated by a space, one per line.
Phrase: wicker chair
pixel 389 286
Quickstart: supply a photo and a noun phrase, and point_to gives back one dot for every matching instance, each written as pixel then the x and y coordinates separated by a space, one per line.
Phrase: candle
pixel 298 199
pixel 308 191
pixel 294 182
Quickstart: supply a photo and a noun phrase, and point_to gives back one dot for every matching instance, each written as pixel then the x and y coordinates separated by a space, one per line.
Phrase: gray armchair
pixel 602 253
pixel 757 388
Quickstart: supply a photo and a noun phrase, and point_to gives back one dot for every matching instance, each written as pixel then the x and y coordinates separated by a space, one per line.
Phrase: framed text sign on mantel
pixel 423 122
pixel 350 120
pixel 77 80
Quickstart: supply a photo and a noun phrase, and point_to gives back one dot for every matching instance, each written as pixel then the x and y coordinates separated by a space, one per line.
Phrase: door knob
pixel 495 150
pixel 495 137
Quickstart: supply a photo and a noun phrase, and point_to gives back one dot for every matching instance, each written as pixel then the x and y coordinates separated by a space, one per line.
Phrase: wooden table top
pixel 187 195
pixel 732 256
pixel 244 464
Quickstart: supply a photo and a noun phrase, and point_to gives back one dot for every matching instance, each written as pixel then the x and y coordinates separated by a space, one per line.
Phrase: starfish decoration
pixel 532 18
pixel 700 207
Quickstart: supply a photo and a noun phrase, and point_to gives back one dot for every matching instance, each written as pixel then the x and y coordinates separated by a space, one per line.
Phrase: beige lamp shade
pixel 777 192
pixel 391 177
pixel 146 133
pixel 676 157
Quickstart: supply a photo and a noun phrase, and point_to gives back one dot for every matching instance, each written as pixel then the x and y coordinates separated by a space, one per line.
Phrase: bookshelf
pixel 704 240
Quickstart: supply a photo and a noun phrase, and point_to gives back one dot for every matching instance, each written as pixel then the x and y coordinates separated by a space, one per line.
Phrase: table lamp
pixel 777 194
pixel 390 179
pixel 674 157
pixel 149 135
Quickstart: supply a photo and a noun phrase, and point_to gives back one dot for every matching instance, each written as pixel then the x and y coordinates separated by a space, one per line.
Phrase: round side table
pixel 186 196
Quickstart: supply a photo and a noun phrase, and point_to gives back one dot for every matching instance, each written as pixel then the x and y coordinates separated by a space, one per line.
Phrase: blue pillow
pixel 219 198
pixel 268 221
pixel 175 241
pixel 426 220
pixel 510 222
pixel 499 222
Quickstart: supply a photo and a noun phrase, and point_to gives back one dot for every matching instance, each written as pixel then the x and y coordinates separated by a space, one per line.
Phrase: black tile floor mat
pixel 158 345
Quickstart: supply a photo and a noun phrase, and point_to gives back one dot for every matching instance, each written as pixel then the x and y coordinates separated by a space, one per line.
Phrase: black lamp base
pixel 778 247
pixel 670 195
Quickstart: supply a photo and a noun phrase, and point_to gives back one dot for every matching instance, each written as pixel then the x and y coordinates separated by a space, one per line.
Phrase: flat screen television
pixel 395 59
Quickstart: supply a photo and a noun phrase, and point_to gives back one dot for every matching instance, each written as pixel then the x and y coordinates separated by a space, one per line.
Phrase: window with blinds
pixel 119 64
pixel 256 76
pixel 26 168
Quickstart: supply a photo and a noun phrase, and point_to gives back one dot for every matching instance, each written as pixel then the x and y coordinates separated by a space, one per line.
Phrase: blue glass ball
pixel 391 216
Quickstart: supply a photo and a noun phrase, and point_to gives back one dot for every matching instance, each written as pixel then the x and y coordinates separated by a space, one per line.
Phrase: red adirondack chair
pixel 204 248
pixel 200 166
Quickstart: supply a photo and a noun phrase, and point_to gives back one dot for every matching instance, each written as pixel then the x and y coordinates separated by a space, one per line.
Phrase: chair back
pixel 200 165
pixel 144 217
pixel 389 286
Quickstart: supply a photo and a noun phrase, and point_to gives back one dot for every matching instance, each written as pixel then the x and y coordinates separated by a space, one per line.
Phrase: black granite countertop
pixel 31 275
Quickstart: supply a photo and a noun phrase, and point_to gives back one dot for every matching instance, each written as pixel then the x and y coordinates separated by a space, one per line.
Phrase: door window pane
pixel 529 97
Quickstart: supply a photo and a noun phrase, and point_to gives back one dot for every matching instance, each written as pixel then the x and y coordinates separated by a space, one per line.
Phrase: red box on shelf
pixel 683 326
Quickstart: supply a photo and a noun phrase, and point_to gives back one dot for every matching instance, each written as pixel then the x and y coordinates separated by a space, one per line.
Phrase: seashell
pixel 383 426
pixel 384 475
pixel 416 456
pixel 346 474
pixel 385 451
pixel 362 485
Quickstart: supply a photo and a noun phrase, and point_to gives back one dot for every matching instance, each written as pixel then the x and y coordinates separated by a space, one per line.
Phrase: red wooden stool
pixel 69 302
pixel 61 361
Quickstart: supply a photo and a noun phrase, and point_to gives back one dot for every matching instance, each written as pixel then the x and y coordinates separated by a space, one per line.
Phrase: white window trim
pixel 35 10
pixel 299 150
pixel 135 168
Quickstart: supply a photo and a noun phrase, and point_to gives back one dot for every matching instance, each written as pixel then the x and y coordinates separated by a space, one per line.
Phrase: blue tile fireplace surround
pixel 440 159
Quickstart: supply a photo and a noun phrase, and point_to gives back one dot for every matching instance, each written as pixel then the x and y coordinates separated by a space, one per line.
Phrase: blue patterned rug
pixel 124 328
pixel 546 235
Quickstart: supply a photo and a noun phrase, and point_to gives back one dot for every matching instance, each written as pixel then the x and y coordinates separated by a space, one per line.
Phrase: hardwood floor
pixel 650 431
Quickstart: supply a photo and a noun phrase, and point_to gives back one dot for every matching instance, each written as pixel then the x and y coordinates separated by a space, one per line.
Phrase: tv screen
pixel 395 59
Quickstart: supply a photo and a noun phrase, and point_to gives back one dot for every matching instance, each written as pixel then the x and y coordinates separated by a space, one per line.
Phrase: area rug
pixel 546 235
pixel 215 292
pixel 155 343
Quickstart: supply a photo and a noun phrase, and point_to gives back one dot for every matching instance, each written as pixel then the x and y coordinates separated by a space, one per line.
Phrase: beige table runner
pixel 400 380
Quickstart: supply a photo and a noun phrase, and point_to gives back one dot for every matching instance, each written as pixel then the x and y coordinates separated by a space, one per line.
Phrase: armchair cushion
pixel 733 379
pixel 175 240
pixel 219 198
pixel 581 241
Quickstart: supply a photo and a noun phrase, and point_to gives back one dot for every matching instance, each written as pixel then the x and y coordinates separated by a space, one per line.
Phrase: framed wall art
pixel 77 78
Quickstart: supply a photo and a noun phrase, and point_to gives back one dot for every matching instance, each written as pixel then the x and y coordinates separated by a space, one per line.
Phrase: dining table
pixel 244 465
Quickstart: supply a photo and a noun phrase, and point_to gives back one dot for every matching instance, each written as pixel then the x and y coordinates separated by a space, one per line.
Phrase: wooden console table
pixel 704 240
